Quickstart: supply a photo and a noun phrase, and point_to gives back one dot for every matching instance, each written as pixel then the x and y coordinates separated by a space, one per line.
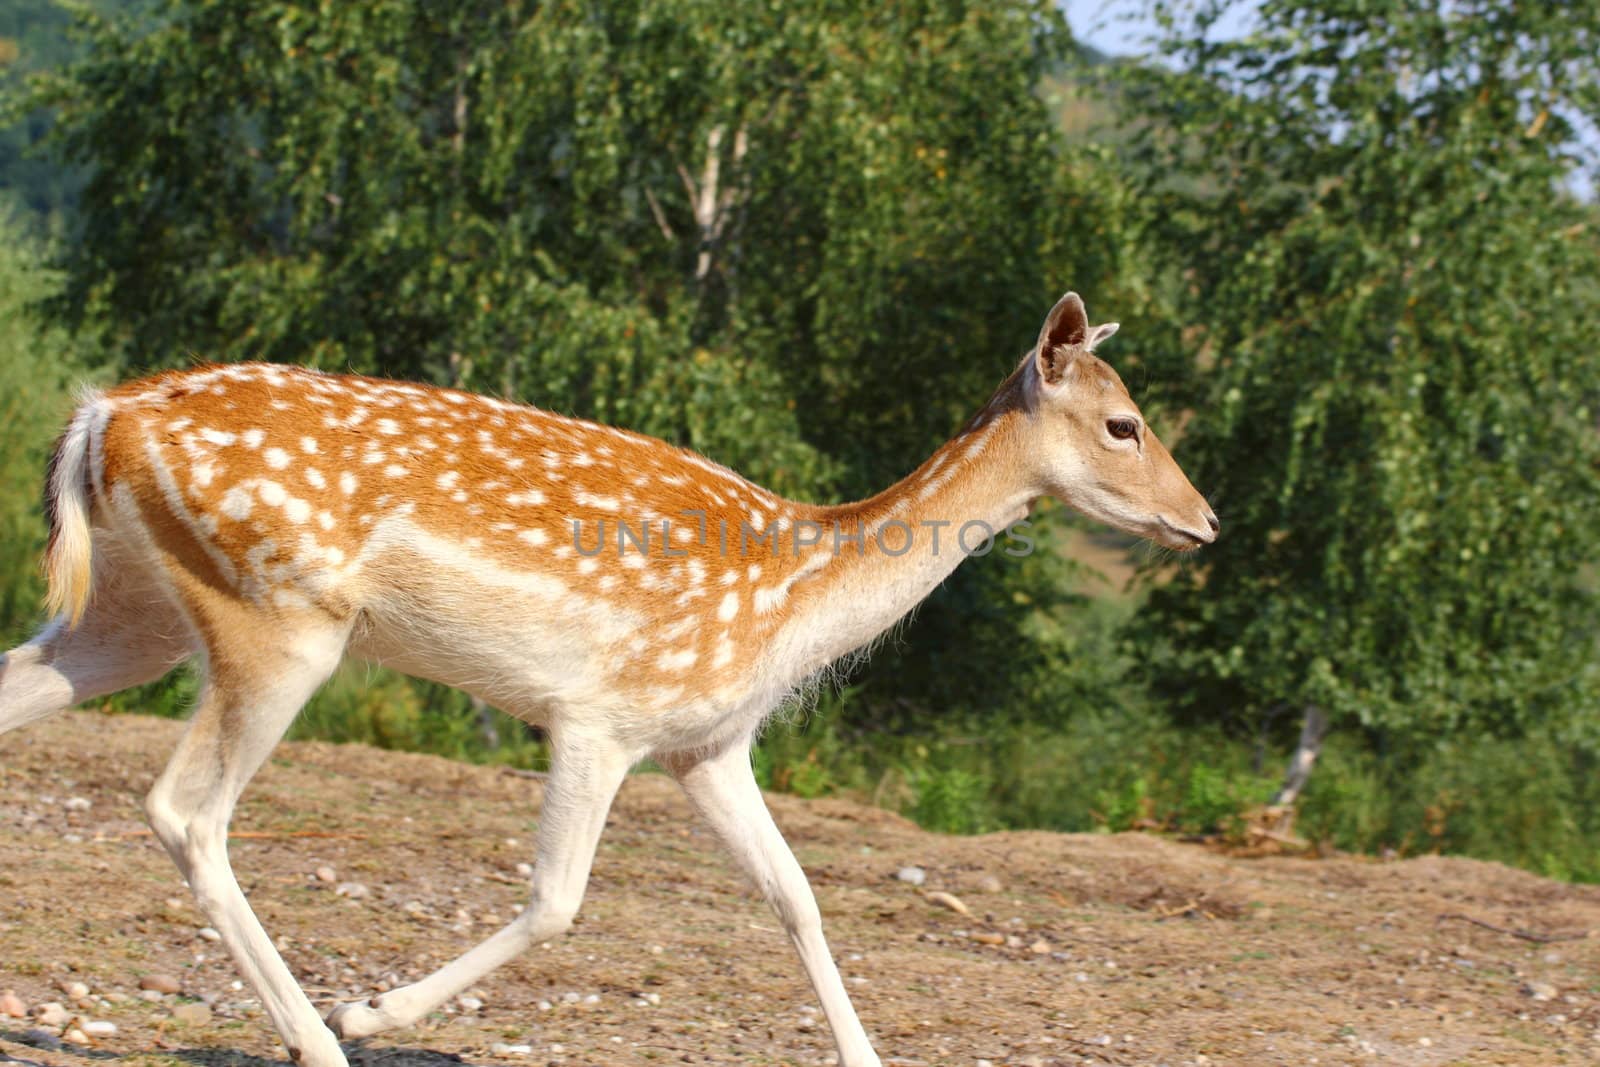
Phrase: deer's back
pixel 483 543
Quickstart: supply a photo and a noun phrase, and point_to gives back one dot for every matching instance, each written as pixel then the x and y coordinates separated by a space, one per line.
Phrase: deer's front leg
pixel 584 777
pixel 722 786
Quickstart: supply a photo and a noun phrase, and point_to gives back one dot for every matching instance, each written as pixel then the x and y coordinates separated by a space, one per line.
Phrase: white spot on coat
pixel 237 504
pixel 677 661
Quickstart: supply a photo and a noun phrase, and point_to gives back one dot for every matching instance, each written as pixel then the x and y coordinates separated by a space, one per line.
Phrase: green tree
pixel 677 215
pixel 1395 297
pixel 806 239
pixel 37 362
pixel 33 38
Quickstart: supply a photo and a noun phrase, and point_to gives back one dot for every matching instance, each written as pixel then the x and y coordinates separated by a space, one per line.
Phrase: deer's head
pixel 1089 445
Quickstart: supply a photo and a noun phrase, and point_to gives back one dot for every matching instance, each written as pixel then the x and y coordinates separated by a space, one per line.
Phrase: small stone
pixel 11 1005
pixel 947 900
pixel 327 874
pixel 154 996
pixel 592 998
pixel 1540 991
pixel 75 990
pixel 206 933
pixel 52 1013
pixel 160 983
pixel 1425 1042
pixel 525 870
pixel 570 998
pixel 989 937
pixel 470 1004
pixel 990 884
pixel 76 1036
pixel 654 999
pixel 545 1005
pixel 912 875
pixel 196 1014
pixel 77 804
pixel 100 1028
pixel 41 1039
pixel 500 1048
pixel 1040 947
pixel 353 890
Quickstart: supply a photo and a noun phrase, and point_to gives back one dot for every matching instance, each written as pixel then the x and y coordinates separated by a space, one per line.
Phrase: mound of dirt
pixel 371 868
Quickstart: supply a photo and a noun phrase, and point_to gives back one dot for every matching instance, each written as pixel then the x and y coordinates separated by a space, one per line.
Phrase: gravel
pixel 52 1013
pixel 160 983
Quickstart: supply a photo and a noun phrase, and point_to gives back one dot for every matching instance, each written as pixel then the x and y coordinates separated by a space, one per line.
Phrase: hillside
pixel 1121 949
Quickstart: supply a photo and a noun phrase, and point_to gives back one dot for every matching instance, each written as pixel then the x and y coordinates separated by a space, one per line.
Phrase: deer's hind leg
pixel 255 682
pixel 131 633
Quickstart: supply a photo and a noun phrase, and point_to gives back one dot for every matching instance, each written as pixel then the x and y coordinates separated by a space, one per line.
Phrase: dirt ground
pixel 1123 949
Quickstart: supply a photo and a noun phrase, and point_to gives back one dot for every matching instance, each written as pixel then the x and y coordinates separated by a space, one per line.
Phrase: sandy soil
pixel 1124 949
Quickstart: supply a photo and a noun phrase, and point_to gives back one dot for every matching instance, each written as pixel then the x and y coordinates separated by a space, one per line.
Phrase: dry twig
pixel 1526 935
pixel 264 835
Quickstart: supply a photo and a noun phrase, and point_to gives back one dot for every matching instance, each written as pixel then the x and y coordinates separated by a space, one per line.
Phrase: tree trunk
pixel 488 730
pixel 1312 731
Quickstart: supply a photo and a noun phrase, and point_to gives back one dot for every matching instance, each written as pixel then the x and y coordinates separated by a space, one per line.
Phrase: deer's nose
pixel 1213 522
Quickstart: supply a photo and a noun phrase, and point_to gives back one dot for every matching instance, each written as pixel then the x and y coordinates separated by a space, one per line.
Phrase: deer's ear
pixel 1100 333
pixel 1065 330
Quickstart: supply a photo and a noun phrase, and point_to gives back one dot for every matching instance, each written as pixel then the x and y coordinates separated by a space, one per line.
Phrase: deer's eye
pixel 1122 429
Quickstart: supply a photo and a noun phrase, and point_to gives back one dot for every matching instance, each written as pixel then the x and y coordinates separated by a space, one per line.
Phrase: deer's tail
pixel 68 495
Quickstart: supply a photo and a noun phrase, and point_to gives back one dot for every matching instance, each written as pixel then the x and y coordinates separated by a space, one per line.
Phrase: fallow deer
pixel 269 520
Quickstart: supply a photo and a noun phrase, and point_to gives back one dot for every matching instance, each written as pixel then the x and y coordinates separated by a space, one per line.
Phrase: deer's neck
pixel 880 557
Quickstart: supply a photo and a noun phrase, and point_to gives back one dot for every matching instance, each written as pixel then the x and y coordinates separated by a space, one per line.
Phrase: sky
pixel 1118 28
